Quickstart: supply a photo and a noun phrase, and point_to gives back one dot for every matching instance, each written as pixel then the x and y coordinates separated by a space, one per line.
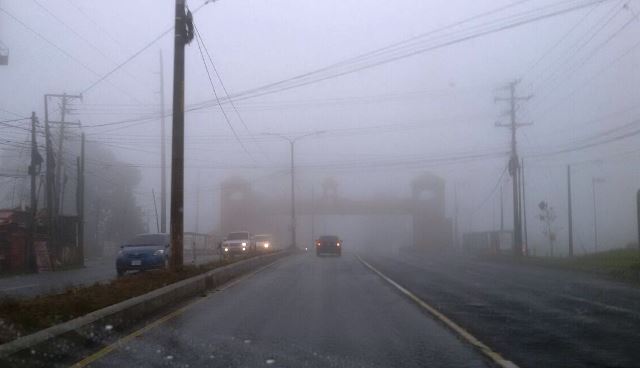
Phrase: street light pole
pixel 595 212
pixel 293 196
pixel 292 142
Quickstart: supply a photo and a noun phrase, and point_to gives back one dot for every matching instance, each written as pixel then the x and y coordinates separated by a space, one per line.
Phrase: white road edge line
pixel 461 332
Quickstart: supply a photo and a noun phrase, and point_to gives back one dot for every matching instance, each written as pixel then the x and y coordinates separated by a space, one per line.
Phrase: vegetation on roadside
pixel 19 317
pixel 620 264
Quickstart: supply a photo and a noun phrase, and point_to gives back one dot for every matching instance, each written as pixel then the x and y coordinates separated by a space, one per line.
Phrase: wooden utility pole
pixel 60 169
pixel 80 198
pixel 313 213
pixel 570 210
pixel 60 159
pixel 514 164
pixel 183 35
pixel 293 198
pixel 163 155
pixel 524 209
pixel 638 215
pixel 55 181
pixel 456 224
pixel 501 207
pixel 34 170
pixel 197 229
pixel 49 171
pixel 155 207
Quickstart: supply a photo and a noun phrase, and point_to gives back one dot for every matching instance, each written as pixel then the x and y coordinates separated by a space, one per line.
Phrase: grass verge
pixel 618 264
pixel 19 317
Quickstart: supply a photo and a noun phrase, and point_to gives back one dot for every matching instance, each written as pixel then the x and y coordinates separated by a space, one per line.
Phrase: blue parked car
pixel 144 252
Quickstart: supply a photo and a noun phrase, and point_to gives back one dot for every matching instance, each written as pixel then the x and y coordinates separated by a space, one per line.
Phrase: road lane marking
pixel 461 332
pixel 124 340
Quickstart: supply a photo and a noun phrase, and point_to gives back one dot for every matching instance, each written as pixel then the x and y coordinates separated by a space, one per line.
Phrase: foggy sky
pixel 442 101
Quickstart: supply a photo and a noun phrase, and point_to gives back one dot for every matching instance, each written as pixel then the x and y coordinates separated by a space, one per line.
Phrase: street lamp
pixel 292 141
pixel 594 181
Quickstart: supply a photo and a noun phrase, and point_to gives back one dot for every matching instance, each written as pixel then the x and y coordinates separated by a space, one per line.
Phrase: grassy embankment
pixel 619 264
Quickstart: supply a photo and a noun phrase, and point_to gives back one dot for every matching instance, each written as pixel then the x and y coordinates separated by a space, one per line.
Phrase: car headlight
pixel 244 244
pixel 226 249
pixel 266 245
pixel 158 252
pixel 243 249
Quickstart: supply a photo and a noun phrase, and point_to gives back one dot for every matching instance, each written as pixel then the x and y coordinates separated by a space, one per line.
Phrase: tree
pixel 548 216
pixel 112 213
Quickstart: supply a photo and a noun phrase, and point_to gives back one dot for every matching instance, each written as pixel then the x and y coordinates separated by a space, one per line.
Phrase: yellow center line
pixel 461 332
pixel 124 340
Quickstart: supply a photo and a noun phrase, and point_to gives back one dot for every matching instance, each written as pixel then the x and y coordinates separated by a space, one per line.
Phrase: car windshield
pixel 148 239
pixel 262 238
pixel 238 236
pixel 329 238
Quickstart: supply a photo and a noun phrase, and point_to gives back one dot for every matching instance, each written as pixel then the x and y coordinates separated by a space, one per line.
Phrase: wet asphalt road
pixel 303 311
pixel 533 316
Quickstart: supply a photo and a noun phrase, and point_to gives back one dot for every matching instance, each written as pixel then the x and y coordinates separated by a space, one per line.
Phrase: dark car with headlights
pixel 263 242
pixel 143 252
pixel 329 244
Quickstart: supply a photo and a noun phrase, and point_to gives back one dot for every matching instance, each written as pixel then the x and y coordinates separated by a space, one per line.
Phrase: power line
pixel 492 192
pixel 52 44
pixel 590 78
pixel 559 41
pixel 135 54
pixel 600 142
pixel 215 70
pixel 95 23
pixel 13 120
pixel 60 49
pixel 356 64
pixel 574 50
pixel 68 27
pixel 88 42
pixel 605 42
pixel 215 93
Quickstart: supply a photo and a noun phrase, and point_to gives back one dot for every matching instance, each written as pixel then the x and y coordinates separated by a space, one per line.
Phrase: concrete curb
pixel 92 328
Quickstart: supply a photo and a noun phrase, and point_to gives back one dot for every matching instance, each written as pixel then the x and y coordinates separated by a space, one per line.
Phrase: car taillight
pixel 337 244
pixel 317 244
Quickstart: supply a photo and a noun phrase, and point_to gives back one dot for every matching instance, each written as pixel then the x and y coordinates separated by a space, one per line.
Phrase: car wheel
pixel 120 272
pixel 166 263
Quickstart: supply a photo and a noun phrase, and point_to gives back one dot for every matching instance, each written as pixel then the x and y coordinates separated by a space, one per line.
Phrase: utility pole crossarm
pixel 503 125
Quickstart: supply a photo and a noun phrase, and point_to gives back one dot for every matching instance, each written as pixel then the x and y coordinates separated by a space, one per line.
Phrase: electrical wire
pixel 215 93
pixel 491 193
pixel 215 70
pixel 357 64
pixel 549 50
pixel 103 77
pixel 51 43
pixel 88 42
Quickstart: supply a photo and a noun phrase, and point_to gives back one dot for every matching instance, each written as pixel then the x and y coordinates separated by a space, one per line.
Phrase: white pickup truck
pixel 237 242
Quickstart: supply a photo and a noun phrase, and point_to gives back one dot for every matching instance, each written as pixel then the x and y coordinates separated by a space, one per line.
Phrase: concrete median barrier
pixel 94 329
